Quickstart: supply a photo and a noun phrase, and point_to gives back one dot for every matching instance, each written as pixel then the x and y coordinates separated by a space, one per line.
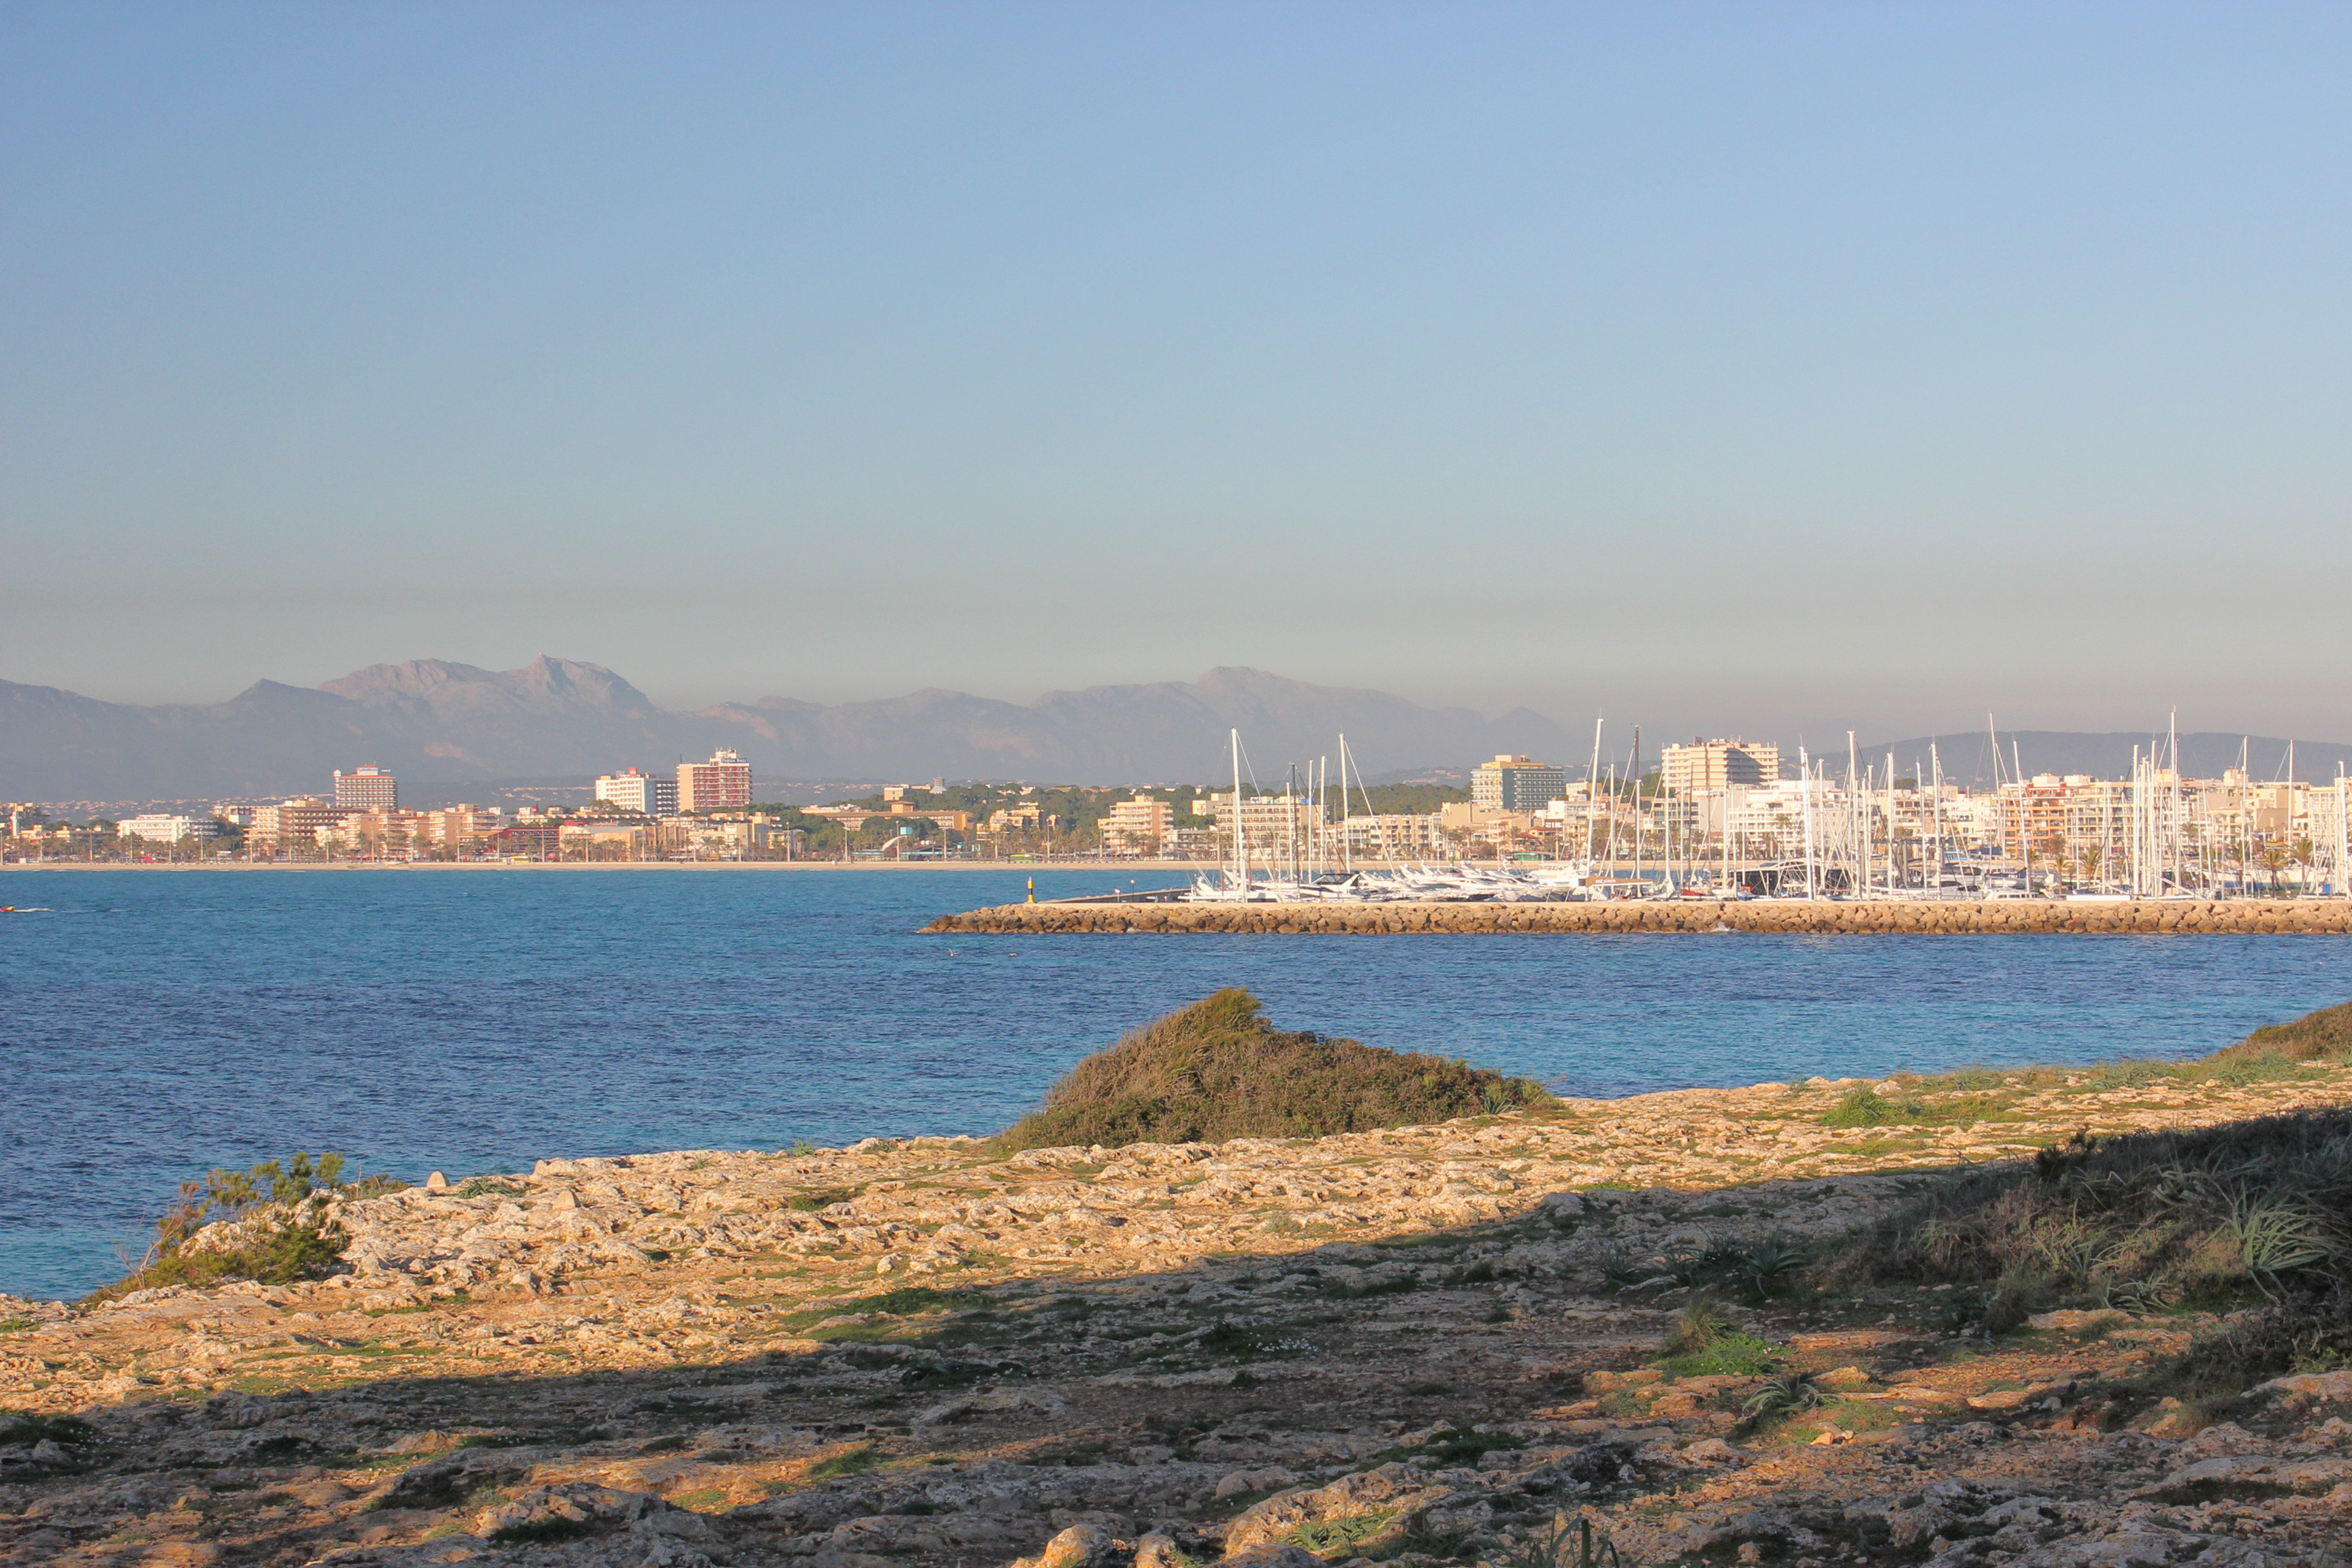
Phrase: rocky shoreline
pixel 1266 1353
pixel 2331 917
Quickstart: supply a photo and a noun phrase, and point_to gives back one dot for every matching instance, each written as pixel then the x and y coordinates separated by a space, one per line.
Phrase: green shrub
pixel 1217 1070
pixel 280 1247
pixel 2322 1036
pixel 1781 1397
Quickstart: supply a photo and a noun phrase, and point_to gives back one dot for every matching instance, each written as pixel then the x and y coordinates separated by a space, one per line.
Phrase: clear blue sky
pixel 1744 366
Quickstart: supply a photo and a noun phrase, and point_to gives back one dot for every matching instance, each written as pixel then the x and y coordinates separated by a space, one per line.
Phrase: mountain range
pixel 438 722
pixel 434 722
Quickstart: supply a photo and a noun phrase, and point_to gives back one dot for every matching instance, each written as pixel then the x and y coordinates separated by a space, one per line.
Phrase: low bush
pixel 2322 1036
pixel 279 1231
pixel 1217 1070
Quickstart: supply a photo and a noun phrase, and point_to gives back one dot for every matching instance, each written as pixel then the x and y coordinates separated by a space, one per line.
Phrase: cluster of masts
pixel 1844 855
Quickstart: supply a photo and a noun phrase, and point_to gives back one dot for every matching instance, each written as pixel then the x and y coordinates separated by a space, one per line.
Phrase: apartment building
pixel 643 793
pixel 721 783
pixel 1270 823
pixel 157 828
pixel 456 825
pixel 1718 764
pixel 1392 832
pixel 1513 782
pixel 366 788
pixel 1139 826
pixel 294 823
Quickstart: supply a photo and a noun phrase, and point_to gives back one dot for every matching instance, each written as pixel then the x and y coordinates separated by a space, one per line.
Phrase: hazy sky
pixel 1742 367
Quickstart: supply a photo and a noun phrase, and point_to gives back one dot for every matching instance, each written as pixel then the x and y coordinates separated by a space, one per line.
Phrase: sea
pixel 159 1023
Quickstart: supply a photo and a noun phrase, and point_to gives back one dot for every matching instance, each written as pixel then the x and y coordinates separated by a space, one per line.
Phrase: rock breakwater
pixel 2330 916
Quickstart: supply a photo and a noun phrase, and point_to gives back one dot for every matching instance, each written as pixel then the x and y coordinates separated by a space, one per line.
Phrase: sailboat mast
pixel 1241 854
pixel 1935 804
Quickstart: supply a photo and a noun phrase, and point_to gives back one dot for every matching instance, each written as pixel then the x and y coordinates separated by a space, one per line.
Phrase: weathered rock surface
pixel 1387 1345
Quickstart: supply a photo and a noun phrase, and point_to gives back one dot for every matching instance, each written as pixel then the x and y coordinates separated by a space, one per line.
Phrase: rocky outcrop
pixel 1898 917
pixel 1256 1354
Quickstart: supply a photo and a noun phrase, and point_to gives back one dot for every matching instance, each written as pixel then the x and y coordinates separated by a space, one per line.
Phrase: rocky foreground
pixel 1392 1346
pixel 1911 917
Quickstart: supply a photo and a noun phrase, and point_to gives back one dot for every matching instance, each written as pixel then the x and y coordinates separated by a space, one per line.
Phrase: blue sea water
pixel 158 1022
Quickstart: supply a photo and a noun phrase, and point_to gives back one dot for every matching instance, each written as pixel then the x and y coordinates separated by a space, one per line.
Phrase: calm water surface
pixel 158 1022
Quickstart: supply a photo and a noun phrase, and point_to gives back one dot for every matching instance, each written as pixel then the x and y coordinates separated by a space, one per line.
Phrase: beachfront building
pixel 1026 817
pixel 1718 764
pixel 1137 826
pixel 1271 824
pixel 1393 833
pixel 643 794
pixel 454 825
pixel 366 788
pixel 722 784
pixel 293 823
pixel 160 829
pixel 1513 782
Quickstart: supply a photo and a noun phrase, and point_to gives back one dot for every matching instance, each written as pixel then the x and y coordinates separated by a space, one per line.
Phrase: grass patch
pixel 1704 1342
pixel 489 1186
pixel 1325 1536
pixel 819 1197
pixel 1217 1070
pixel 2248 1214
pixel 850 1463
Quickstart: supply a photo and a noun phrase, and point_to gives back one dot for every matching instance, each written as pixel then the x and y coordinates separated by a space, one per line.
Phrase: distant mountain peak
pixel 436 682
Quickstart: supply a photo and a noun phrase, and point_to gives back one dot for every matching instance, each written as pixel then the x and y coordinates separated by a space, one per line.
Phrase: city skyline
pixel 1799 371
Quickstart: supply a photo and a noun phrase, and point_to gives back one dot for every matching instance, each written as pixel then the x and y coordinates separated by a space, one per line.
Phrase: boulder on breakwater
pixel 1916 917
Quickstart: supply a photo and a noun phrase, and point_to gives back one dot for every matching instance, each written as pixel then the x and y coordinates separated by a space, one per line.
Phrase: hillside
pixel 436 721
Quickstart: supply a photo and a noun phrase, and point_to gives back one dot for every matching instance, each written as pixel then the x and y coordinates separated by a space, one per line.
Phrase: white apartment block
pixel 641 793
pixel 160 829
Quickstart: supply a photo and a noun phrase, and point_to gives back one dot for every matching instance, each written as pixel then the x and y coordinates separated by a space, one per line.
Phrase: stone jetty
pixel 1398 1346
pixel 2146 917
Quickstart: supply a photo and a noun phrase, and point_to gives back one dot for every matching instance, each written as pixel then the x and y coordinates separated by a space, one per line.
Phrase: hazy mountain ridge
pixel 440 721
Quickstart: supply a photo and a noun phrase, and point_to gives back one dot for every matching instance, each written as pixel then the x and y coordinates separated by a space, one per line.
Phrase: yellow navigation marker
pixel 1032 890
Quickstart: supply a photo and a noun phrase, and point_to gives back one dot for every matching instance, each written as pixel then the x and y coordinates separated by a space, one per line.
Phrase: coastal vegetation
pixel 273 1225
pixel 1218 1069
pixel 2242 1219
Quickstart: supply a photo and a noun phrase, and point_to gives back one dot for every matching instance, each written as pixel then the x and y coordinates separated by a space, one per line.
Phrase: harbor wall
pixel 1898 917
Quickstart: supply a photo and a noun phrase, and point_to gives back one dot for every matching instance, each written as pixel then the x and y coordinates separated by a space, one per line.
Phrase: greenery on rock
pixel 283 1238
pixel 2322 1036
pixel 1217 1070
